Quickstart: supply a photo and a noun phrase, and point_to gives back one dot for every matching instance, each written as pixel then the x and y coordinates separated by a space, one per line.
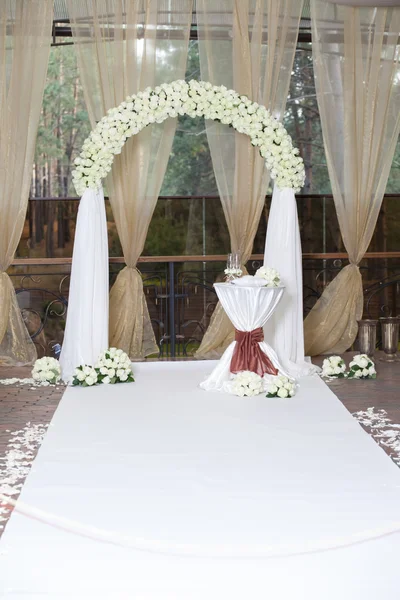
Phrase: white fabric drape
pixel 252 51
pixel 86 330
pixel 25 35
pixel 356 64
pixel 124 47
pixel 248 308
pixel 284 330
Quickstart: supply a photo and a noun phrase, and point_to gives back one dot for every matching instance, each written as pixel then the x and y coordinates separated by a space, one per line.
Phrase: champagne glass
pixel 237 261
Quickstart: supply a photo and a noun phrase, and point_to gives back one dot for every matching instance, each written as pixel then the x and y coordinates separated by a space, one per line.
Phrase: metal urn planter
pixel 390 337
pixel 367 336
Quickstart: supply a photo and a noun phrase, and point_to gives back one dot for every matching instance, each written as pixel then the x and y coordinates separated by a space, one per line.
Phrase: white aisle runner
pixel 228 488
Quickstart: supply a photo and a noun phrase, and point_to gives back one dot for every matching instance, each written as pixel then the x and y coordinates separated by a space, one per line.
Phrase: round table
pixel 249 308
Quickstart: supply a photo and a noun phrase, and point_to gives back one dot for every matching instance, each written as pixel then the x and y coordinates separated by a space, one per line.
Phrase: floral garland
pixel 196 99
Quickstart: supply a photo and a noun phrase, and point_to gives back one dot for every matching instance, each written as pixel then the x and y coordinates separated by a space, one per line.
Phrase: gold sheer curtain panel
pixel 357 74
pixel 122 48
pixel 25 36
pixel 247 45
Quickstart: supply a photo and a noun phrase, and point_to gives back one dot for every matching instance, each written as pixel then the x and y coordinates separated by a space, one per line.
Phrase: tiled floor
pixel 20 404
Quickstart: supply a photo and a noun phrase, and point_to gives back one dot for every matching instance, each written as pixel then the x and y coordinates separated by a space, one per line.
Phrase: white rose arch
pixel 86 332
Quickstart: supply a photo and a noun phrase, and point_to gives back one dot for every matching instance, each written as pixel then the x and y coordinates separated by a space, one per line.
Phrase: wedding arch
pixel 86 332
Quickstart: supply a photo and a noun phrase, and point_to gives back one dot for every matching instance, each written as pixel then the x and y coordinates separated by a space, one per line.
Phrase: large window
pixel 188 219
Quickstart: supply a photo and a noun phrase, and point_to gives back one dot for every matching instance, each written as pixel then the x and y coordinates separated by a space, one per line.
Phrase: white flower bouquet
pixel 362 367
pixel 196 99
pixel 85 375
pixel 246 383
pixel 280 386
pixel 271 276
pixel 114 366
pixel 46 369
pixel 334 366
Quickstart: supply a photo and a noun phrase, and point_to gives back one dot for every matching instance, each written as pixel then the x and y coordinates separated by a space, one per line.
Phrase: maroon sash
pixel 248 355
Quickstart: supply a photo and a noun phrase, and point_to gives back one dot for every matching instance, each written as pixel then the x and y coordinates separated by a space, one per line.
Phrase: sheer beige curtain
pixel 25 36
pixel 247 45
pixel 122 48
pixel 357 74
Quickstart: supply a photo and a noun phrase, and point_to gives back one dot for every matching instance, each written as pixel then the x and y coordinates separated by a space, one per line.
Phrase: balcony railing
pixel 180 295
pixel 179 289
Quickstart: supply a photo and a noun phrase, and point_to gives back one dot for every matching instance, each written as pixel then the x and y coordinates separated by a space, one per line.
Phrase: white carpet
pixel 223 497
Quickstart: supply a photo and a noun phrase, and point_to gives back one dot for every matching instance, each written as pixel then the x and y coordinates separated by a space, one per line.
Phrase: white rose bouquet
pixel 85 375
pixel 271 276
pixel 46 369
pixel 334 366
pixel 280 386
pixel 114 366
pixel 246 383
pixel 362 367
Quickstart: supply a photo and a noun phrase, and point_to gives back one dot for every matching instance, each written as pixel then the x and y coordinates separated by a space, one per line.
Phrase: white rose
pixel 372 370
pixel 337 370
pixel 103 370
pixel 87 370
pixel 120 372
pixel 106 380
pixel 111 372
pixel 358 374
pixel 329 371
pixel 80 376
pixel 363 362
pixel 283 393
pixel 365 372
pixel 272 389
pixel 89 380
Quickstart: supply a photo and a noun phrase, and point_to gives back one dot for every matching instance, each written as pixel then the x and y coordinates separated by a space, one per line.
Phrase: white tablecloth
pixel 248 308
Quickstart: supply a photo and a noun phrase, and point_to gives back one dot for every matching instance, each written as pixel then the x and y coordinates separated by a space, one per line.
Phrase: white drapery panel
pixel 25 35
pixel 86 330
pixel 248 308
pixel 284 330
pixel 357 75
pixel 122 48
pixel 252 53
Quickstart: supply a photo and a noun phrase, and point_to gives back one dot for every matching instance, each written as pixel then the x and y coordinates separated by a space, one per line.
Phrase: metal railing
pixel 180 295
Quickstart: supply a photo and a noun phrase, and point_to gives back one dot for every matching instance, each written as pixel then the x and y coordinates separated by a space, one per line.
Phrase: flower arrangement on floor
pixel 196 99
pixel 334 366
pixel 362 367
pixel 85 375
pixel 280 386
pixel 246 383
pixel 46 369
pixel 112 366
pixel 271 276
